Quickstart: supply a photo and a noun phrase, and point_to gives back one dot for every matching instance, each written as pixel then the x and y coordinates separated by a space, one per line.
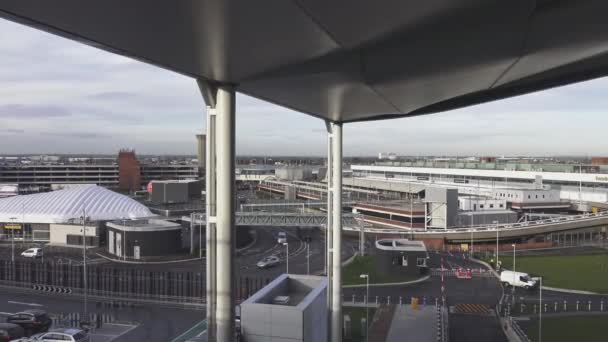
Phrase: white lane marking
pixel 21 303
pixel 6 313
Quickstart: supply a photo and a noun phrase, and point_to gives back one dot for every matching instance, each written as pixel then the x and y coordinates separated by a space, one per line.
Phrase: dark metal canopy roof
pixel 347 60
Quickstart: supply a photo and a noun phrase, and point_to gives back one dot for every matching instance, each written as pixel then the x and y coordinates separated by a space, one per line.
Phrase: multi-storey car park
pixel 43 177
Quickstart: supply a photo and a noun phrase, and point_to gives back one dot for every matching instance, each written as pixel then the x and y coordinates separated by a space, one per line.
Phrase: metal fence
pixel 117 282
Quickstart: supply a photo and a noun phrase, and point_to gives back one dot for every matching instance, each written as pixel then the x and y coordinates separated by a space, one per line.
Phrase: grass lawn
pixel 567 329
pixel 365 265
pixel 355 318
pixel 579 272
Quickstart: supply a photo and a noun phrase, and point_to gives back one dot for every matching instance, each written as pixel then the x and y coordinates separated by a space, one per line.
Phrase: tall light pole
pixel 13 239
pixel 496 227
pixel 84 219
pixel 366 277
pixel 540 311
pixel 286 244
pixel 513 287
pixel 513 245
pixel 124 240
pixel 200 237
pixel 308 258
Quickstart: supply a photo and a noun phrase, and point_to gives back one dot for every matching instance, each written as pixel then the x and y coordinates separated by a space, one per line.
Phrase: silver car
pixel 60 335
pixel 269 261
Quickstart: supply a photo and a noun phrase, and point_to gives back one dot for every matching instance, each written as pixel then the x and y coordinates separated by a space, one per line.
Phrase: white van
pixel 282 237
pixel 517 279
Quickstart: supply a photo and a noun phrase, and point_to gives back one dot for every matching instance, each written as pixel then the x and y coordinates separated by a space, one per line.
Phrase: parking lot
pixel 118 322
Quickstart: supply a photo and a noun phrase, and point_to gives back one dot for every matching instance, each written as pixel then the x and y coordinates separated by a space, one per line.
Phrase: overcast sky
pixel 59 96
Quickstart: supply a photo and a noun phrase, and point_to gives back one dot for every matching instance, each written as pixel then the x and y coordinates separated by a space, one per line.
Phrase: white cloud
pixel 57 95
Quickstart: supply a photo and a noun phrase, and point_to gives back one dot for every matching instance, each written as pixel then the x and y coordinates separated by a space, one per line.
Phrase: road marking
pixel 6 313
pixel 21 303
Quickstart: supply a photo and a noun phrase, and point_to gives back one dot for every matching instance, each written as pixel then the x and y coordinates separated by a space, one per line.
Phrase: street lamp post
pixel 13 239
pixel 286 256
pixel 513 287
pixel 496 227
pixel 540 310
pixel 84 262
pixel 200 238
pixel 308 258
pixel 366 277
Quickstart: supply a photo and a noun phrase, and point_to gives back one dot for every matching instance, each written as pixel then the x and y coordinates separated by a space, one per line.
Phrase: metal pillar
pixel 328 229
pixel 210 210
pixel 336 228
pixel 225 219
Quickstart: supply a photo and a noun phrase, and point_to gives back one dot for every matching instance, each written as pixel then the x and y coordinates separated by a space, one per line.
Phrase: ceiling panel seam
pixel 522 51
pixel 316 22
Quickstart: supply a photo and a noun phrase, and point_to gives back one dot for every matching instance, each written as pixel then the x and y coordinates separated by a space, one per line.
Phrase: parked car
pixel 59 335
pixel 32 253
pixel 32 321
pixel 10 332
pixel 282 237
pixel 268 261
pixel 517 279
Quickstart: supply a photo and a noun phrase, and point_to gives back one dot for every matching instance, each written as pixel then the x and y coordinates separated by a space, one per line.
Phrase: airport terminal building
pixel 569 183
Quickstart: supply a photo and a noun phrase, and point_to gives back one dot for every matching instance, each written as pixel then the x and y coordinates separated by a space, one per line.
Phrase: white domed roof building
pixel 67 205
pixel 56 216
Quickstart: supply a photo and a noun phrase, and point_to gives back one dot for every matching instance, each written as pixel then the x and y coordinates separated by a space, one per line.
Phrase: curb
pixel 488 266
pixel 419 280
pixel 255 239
pixel 557 289
pixel 147 262
pixel 350 260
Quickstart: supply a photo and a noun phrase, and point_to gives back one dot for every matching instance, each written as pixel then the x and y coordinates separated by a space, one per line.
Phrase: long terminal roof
pixel 347 60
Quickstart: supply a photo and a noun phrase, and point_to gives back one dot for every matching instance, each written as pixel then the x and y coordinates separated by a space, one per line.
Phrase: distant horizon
pixel 301 156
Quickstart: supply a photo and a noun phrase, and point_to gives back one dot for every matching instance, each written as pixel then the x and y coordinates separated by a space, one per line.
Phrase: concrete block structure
pixel 143 238
pixel 291 308
pixel 175 191
pixel 401 256
pixel 294 173
pixel 441 207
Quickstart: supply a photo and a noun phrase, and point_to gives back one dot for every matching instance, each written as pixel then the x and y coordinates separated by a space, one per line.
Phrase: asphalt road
pixel 485 291
pixel 151 323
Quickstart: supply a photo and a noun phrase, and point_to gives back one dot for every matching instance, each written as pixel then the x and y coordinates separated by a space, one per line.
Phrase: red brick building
pixel 129 173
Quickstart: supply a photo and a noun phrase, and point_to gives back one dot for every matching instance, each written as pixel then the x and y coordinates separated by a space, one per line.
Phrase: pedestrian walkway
pixel 472 309
pixel 417 324
pixel 453 272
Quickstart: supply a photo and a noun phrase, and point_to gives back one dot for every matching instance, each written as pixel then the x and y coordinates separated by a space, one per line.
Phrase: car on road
pixel 32 321
pixel 10 332
pixel 32 253
pixel 59 335
pixel 268 261
pixel 517 279
pixel 282 237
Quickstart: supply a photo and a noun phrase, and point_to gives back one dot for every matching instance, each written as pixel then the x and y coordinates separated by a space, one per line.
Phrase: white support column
pixel 336 207
pixel 225 217
pixel 328 229
pixel 210 210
